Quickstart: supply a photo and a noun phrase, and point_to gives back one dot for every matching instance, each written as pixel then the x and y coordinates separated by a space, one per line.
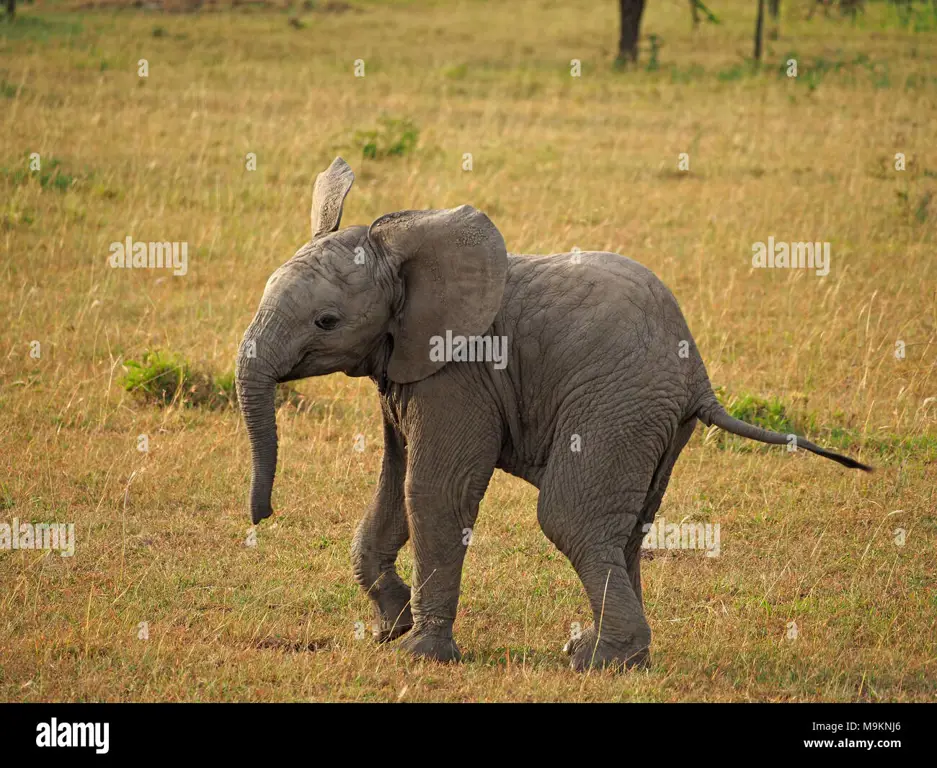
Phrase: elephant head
pixel 364 301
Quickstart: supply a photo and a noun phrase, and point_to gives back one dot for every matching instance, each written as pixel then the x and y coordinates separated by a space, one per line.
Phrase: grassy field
pixel 558 162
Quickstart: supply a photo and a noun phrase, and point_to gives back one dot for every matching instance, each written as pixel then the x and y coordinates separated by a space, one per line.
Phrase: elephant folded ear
pixel 328 196
pixel 453 265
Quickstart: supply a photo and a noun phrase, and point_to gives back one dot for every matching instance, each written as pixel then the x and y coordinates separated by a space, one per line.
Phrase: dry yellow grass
pixel 559 162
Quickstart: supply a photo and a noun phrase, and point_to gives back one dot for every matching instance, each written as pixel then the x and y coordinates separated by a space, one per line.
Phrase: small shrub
pixel 158 377
pixel 162 378
pixel 392 138
pixel 768 413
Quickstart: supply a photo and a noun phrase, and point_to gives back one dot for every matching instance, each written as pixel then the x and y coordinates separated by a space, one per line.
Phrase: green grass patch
pixel 767 413
pixel 391 138
pixel 773 414
pixel 50 175
pixel 38 28
pixel 163 378
pixel 811 72
pixel 8 90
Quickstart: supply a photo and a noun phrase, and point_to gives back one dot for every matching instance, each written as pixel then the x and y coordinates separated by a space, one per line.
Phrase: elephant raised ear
pixel 453 265
pixel 328 197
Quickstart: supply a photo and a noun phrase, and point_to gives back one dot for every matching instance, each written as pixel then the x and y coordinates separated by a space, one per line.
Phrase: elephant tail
pixel 711 412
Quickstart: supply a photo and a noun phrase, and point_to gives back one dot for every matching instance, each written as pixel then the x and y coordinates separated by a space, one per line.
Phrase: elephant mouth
pixel 303 369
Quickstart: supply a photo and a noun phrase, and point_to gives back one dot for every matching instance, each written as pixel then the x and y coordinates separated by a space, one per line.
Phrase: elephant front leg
pixel 381 534
pixel 374 558
pixel 442 529
pixel 447 476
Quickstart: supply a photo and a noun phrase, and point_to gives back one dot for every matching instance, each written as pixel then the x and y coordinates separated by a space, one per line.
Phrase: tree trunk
pixel 774 8
pixel 11 9
pixel 695 11
pixel 631 12
pixel 759 28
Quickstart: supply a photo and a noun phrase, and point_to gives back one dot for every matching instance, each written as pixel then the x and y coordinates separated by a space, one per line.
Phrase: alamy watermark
pixel 781 255
pixel 688 535
pixel 469 349
pixel 57 536
pixel 56 734
pixel 150 255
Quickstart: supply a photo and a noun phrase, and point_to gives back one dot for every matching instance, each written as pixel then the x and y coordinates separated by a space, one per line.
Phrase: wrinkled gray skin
pixel 594 351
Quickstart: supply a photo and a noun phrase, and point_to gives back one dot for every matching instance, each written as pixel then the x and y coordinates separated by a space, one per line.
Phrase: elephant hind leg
pixel 620 636
pixel 588 516
pixel 653 500
pixel 661 478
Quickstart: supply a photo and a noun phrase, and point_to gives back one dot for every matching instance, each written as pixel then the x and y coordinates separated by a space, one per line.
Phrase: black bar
pixel 351 732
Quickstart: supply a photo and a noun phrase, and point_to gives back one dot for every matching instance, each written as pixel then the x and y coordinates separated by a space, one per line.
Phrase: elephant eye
pixel 327 321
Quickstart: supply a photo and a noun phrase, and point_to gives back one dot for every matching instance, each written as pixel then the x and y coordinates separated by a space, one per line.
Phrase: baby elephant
pixel 575 372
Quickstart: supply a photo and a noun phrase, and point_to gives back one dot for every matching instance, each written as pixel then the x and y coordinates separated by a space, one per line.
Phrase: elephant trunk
pixel 256 382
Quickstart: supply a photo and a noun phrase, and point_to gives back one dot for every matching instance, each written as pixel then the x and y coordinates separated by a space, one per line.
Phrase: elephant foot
pixel 586 654
pixel 392 617
pixel 432 641
pixel 389 627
